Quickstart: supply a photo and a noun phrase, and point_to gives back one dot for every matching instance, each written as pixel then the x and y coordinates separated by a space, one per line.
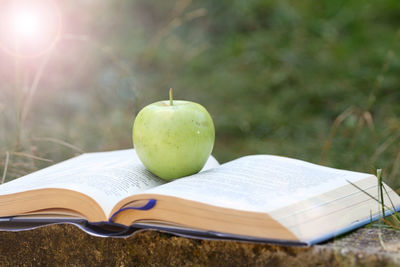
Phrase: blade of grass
pixel 22 154
pixel 370 121
pixel 393 220
pixel 3 178
pixel 365 192
pixel 391 202
pixel 388 142
pixel 396 215
pixel 381 240
pixel 339 119
pixel 60 142
pixel 34 85
pixel 379 175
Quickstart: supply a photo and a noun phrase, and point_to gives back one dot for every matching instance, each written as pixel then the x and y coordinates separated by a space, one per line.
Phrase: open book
pixel 259 198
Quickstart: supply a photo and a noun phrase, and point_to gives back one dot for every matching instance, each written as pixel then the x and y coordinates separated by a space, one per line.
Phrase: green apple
pixel 173 138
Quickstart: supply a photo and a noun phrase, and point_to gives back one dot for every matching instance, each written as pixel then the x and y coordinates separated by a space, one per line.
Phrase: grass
pixel 393 220
pixel 389 215
pixel 317 82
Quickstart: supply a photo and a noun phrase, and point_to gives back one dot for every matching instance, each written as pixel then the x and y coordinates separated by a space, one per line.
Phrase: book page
pixel 258 183
pixel 107 177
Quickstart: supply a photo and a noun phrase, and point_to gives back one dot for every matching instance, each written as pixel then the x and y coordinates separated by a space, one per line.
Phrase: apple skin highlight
pixel 173 141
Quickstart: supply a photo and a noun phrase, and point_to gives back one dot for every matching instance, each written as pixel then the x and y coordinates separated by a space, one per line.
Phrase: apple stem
pixel 170 97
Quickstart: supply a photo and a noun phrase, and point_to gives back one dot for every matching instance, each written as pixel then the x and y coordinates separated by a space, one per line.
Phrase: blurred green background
pixel 314 80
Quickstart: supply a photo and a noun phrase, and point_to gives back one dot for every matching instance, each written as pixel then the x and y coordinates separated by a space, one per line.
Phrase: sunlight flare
pixel 28 28
pixel 26 24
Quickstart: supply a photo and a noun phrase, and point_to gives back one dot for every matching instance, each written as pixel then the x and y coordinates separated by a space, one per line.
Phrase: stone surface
pixel 67 245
